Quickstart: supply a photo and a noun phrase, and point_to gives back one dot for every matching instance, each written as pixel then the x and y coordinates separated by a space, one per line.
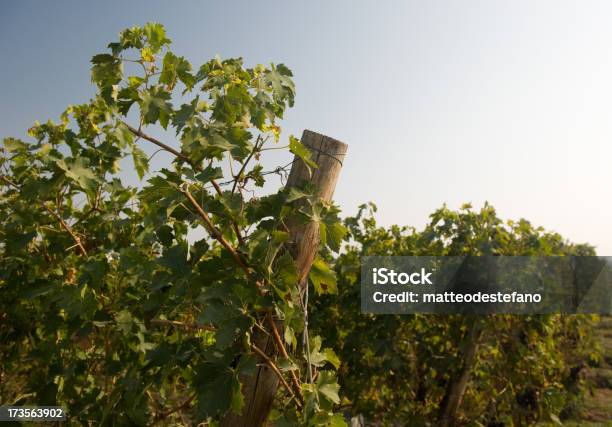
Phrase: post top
pixel 323 141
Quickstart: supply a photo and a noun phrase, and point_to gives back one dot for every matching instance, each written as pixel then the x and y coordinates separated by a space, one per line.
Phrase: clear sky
pixel 439 101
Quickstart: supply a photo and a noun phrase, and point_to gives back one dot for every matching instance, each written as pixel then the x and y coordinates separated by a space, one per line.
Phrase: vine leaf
pixel 176 68
pixel 301 151
pixel 141 162
pixel 319 357
pixel 155 105
pixel 328 387
pixel 216 387
pixel 322 277
pixel 332 234
pixel 79 171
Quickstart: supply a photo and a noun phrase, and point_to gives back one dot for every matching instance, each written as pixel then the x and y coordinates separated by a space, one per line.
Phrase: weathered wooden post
pixel 328 153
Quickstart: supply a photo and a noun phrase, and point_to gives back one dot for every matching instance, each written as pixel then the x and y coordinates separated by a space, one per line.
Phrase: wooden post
pixel 458 384
pixel 259 390
pixel 328 154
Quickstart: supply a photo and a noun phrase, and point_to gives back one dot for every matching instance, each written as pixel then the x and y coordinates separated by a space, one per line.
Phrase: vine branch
pixel 160 144
pixel 215 233
pixel 178 324
pixel 182 406
pixel 66 227
pixel 256 148
pixel 277 371
pixel 283 351
pixel 186 159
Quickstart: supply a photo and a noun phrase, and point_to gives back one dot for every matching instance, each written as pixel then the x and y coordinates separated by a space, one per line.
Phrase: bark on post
pixel 458 384
pixel 328 154
pixel 259 390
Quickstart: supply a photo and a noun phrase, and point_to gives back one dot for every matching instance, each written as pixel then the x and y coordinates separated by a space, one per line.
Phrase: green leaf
pixel 216 388
pixel 332 234
pixel 124 136
pixel 322 277
pixel 156 36
pixel 332 357
pixel 37 290
pixel 165 235
pixel 124 321
pixel 168 75
pixel 319 357
pixel 155 105
pixel 237 402
pixel 301 151
pixel 209 173
pixel 337 420
pixel 289 336
pixel 230 322
pixel 93 272
pixel 106 71
pixel 286 271
pixel 79 171
pixel 328 387
pixel 240 139
pixel 129 38
pixel 185 114
pixel 286 365
pixel 294 194
pixel 277 239
pixel 141 161
pixel 12 144
pixel 256 175
pixel 176 68
pixel 279 79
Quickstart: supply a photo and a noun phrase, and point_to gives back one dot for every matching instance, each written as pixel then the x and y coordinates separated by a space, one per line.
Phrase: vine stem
pixel 277 371
pixel 178 324
pixel 157 142
pixel 187 160
pixel 255 149
pixel 66 227
pixel 283 351
pixel 215 232
pixel 166 414
pixel 306 336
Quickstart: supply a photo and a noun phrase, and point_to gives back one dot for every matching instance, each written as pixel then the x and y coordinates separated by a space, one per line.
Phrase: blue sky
pixel 445 101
